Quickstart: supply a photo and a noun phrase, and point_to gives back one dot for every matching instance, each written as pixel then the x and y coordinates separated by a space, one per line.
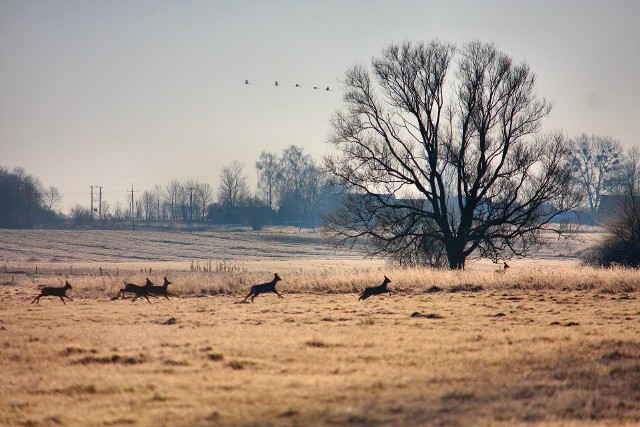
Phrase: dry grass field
pixel 548 342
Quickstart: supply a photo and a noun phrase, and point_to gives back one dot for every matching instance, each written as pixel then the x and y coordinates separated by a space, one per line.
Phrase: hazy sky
pixel 115 93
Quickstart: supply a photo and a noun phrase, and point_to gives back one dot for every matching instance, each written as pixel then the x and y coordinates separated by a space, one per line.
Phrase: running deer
pixel 265 287
pixel 53 291
pixel 140 291
pixel 376 290
pixel 161 290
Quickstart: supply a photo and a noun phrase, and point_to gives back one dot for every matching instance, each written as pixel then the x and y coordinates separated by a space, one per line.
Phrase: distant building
pixel 578 216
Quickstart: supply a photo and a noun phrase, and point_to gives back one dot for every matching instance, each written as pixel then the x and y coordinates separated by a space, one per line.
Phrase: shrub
pixel 621 246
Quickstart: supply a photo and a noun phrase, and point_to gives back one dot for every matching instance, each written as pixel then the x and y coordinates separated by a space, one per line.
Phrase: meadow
pixel 548 342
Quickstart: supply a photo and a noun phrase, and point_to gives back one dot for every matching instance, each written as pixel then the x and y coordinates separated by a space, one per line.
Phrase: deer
pixel 503 269
pixel 265 287
pixel 54 291
pixel 161 289
pixel 376 290
pixel 140 291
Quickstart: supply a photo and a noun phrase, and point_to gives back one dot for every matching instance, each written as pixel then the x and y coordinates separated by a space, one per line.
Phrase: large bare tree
pixel 447 160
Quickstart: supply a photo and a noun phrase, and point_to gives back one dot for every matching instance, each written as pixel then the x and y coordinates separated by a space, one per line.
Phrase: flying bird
pixel 246 82
pixel 297 85
pixel 315 87
pixel 327 89
pixel 276 83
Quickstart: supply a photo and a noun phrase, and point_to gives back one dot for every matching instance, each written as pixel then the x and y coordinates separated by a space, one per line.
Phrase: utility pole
pixel 96 199
pixel 190 208
pixel 91 205
pixel 133 216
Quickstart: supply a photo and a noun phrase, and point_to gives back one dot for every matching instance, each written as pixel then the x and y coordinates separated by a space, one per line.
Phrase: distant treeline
pixel 292 189
pixel 24 201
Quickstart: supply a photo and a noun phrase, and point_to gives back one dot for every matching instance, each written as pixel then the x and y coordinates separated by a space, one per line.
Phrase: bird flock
pixel 151 290
pixel 297 85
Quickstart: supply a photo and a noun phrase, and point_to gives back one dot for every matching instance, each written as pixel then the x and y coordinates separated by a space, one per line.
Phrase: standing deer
pixel 140 291
pixel 265 287
pixel 161 289
pixel 53 291
pixel 503 269
pixel 376 290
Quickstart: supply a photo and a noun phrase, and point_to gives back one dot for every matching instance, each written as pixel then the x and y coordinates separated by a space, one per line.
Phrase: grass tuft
pixel 368 321
pixel 216 357
pixel 316 343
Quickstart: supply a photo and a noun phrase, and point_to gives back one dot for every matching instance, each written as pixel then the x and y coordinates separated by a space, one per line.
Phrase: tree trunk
pixel 455 254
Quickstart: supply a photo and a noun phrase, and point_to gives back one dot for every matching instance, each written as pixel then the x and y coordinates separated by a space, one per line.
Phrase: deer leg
pixel 148 300
pixel 165 295
pixel 135 298
pixel 248 295
pixel 62 299
pixel 279 296
pixel 255 295
pixel 68 297
pixel 36 299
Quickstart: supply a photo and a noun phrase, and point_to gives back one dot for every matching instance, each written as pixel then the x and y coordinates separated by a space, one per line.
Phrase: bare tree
pixel 460 165
pixel 105 210
pixel 173 191
pixel 595 160
pixel 204 197
pixel 187 201
pixel 157 192
pixel 51 197
pixel 621 243
pixel 293 167
pixel 138 210
pixel 148 204
pixel 184 200
pixel 630 172
pixel 317 189
pixel 233 188
pixel 119 212
pixel 268 172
